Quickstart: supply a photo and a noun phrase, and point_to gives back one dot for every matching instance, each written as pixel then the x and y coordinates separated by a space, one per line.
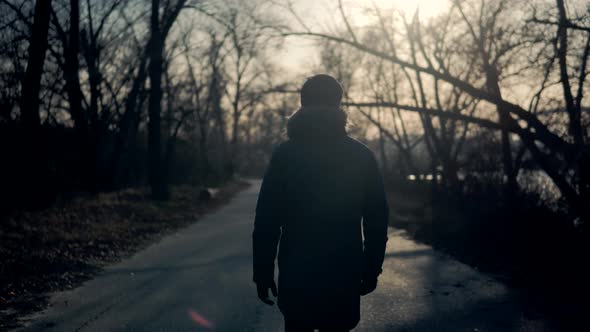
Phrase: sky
pixel 299 54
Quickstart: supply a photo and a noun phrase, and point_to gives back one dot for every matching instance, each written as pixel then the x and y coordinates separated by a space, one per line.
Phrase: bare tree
pixel 249 36
pixel 31 86
pixel 561 159
pixel 159 28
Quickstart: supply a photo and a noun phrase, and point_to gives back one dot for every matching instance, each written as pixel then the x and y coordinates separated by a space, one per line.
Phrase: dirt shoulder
pixel 60 247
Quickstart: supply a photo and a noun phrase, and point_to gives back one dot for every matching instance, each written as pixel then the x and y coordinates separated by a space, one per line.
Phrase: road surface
pixel 200 280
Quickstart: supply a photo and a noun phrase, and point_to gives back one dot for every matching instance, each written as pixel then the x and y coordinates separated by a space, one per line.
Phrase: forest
pixel 477 110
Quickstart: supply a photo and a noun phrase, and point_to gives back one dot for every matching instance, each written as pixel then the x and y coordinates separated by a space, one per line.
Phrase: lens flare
pixel 199 320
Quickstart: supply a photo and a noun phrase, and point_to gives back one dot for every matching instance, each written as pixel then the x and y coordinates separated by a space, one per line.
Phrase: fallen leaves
pixel 60 247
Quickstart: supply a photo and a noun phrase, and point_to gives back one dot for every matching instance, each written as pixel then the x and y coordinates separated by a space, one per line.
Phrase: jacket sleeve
pixel 267 223
pixel 375 221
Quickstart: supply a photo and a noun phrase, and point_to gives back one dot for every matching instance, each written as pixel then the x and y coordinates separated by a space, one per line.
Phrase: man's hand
pixel 368 286
pixel 263 287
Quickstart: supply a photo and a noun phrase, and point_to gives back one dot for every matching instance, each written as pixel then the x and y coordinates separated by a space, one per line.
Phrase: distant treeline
pixel 99 95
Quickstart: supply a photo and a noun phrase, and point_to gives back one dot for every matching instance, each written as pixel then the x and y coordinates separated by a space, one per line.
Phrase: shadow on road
pixel 423 290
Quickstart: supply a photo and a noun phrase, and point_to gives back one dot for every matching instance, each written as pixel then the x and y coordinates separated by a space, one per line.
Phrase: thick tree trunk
pixel 86 145
pixel 156 178
pixel 91 54
pixel 32 164
pixel 31 86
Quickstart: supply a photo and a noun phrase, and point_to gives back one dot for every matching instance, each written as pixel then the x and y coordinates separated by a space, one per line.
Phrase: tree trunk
pixel 71 72
pixel 216 88
pixel 573 110
pixel 85 141
pixel 126 123
pixel 31 86
pixel 510 171
pixel 156 179
pixel 90 52
pixel 32 164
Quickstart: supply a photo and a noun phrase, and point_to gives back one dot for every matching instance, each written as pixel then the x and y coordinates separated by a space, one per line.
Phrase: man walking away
pixel 321 194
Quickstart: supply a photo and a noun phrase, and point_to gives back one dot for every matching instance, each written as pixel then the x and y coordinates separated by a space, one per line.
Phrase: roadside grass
pixel 60 247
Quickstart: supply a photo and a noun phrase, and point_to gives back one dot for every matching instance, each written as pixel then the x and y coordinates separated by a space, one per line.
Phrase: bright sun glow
pixel 296 53
pixel 428 8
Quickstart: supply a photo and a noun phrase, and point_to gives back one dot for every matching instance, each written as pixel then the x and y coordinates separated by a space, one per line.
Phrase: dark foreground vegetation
pixel 60 247
pixel 522 243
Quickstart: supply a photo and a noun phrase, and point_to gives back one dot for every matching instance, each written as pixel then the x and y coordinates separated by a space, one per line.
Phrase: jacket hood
pixel 317 122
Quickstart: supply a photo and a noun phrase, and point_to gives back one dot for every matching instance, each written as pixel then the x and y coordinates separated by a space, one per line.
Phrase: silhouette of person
pixel 322 193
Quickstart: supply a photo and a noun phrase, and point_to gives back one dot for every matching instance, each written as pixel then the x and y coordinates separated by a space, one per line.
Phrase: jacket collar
pixel 312 123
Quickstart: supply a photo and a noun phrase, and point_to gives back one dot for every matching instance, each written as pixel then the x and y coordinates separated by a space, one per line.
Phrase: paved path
pixel 199 280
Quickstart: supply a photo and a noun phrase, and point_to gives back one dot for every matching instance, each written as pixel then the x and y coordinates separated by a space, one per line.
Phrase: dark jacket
pixel 317 188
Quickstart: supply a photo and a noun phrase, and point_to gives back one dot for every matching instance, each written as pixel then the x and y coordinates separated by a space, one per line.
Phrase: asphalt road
pixel 200 280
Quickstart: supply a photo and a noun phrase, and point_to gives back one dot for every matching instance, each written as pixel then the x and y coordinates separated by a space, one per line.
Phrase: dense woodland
pixel 130 92
pixel 485 102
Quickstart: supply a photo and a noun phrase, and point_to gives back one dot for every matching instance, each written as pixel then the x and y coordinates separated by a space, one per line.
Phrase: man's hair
pixel 321 90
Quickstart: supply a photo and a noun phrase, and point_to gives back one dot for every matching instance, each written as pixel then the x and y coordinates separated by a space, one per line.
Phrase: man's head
pixel 321 90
